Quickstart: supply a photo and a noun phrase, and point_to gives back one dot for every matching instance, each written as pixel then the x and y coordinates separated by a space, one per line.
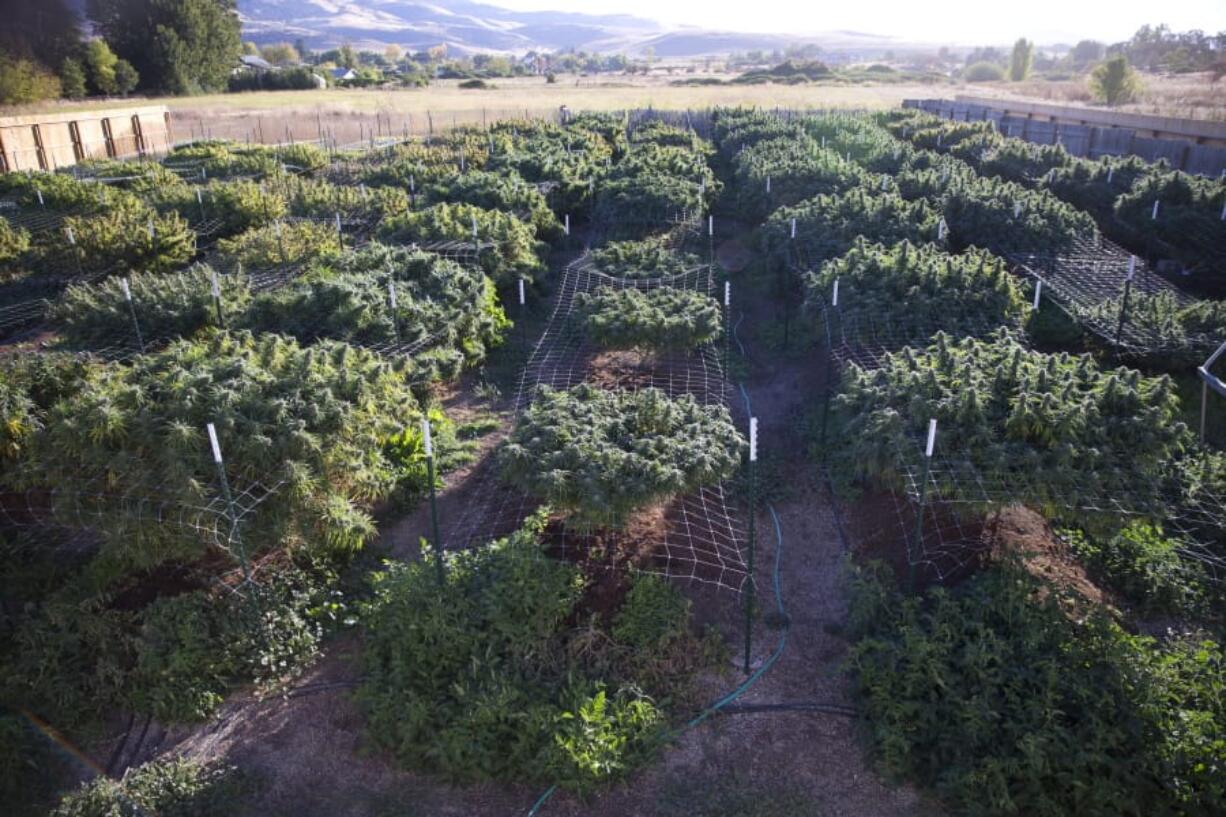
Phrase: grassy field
pixel 347 113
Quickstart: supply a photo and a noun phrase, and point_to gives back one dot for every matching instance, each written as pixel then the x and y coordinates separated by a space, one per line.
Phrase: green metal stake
pixel 753 503
pixel 1132 270
pixel 391 300
pixel 923 498
pixel 127 294
pixel 229 497
pixel 438 542
pixel 216 287
pixel 828 387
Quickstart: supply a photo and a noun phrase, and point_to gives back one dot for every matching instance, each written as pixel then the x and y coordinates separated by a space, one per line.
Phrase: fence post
pixel 127 294
pixel 428 444
pixel 919 515
pixel 216 289
pixel 1132 268
pixel 238 540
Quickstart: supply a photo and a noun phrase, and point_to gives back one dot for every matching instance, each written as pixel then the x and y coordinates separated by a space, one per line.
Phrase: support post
pixel 918 545
pixel 727 330
pixel 127 295
pixel 1132 268
pixel 239 547
pixel 753 502
pixel 215 286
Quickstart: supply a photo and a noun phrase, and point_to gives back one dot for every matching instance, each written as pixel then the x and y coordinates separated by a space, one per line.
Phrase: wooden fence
pixel 55 140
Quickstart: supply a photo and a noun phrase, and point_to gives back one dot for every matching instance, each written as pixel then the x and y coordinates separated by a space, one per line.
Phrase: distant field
pixel 347 113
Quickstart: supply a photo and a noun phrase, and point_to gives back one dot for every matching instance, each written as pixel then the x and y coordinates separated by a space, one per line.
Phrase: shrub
pixel 891 296
pixel 653 614
pixel 828 226
pixel 167 305
pixel 235 205
pixel 313 419
pixel 798 169
pixel 280 244
pixel 984 72
pixel 14 244
pixel 645 203
pixel 128 235
pixel 647 258
pixel 995 697
pixel 173 788
pixel 476 679
pixel 656 319
pixel 512 250
pixel 601 455
pixel 315 198
pixel 1058 430
pixel 1189 225
pixel 1177 336
pixel 1007 218
pixel 1094 186
pixel 495 191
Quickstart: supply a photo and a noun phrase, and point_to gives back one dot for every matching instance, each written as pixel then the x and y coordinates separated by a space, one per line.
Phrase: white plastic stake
pixel 932 437
pixel 127 290
pixel 213 284
pixel 834 298
pixel 938 140
pixel 474 226
pixel 426 441
pixel 1224 211
pixel 885 183
pixel 753 439
pixel 1154 215
pixel 823 141
pixel 203 174
pixel 521 292
pixel 727 293
pixel 1132 266
pixel 768 184
pixel 152 234
pixel 72 239
pixel 41 203
pixel 566 224
pixel 1017 209
pixel 216 446
pixel 338 222
pixel 711 225
pixel 793 228
pixel 391 293
pixel 1038 292
pixel 942 229
pixel 412 185
pixel 199 196
pixel 1110 173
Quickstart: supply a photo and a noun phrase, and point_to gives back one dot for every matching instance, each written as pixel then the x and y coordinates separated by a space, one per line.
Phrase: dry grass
pixel 1189 96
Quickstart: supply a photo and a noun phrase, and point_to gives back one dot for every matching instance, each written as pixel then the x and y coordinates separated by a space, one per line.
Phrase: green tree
pixel 100 63
pixel 250 49
pixel 23 80
pixel 1086 52
pixel 126 78
pixel 45 31
pixel 1021 60
pixel 72 79
pixel 280 54
pixel 1114 81
pixel 983 72
pixel 347 59
pixel 177 46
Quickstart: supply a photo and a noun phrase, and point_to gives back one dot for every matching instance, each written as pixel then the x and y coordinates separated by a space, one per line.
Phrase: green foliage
pixel 653 615
pixel 477 678
pixel 1007 218
pixel 1180 336
pixel 639 204
pixel 72 79
pixel 14 244
pixel 22 81
pixel 167 305
pixel 647 258
pixel 1147 567
pixel 1094 186
pixel 1020 161
pixel 126 236
pixel 280 244
pixel 1081 432
pixel 314 198
pixel 499 191
pixel 657 319
pixel 62 193
pixel 828 226
pixel 1114 81
pixel 512 250
pixel 314 419
pixel 601 455
pixel 101 61
pixel 992 695
pixel 236 205
pixel 906 294
pixel 177 46
pixel 1021 59
pixel 659 133
pixel 1189 222
pixel 983 72
pixel 798 169
pixel 168 788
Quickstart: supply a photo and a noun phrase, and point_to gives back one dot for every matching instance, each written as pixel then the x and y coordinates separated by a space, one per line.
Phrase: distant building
pixel 342 74
pixel 251 62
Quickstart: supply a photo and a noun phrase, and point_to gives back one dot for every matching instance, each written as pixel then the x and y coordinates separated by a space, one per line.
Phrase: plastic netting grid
pixel 699 538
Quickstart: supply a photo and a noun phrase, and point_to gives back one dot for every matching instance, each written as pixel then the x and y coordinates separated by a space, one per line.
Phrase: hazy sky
pixel 958 21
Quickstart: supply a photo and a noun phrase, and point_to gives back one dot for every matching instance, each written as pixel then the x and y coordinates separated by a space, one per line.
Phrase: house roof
pixel 343 73
pixel 252 61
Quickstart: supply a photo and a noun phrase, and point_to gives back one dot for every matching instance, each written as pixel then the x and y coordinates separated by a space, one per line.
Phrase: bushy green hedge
pixel 601 455
pixel 235 206
pixel 996 697
pixel 657 319
pixel 828 226
pixel 127 235
pixel 171 788
pixel 651 257
pixel 512 250
pixel 1189 222
pixel 280 244
pixel 485 678
pixel 499 191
